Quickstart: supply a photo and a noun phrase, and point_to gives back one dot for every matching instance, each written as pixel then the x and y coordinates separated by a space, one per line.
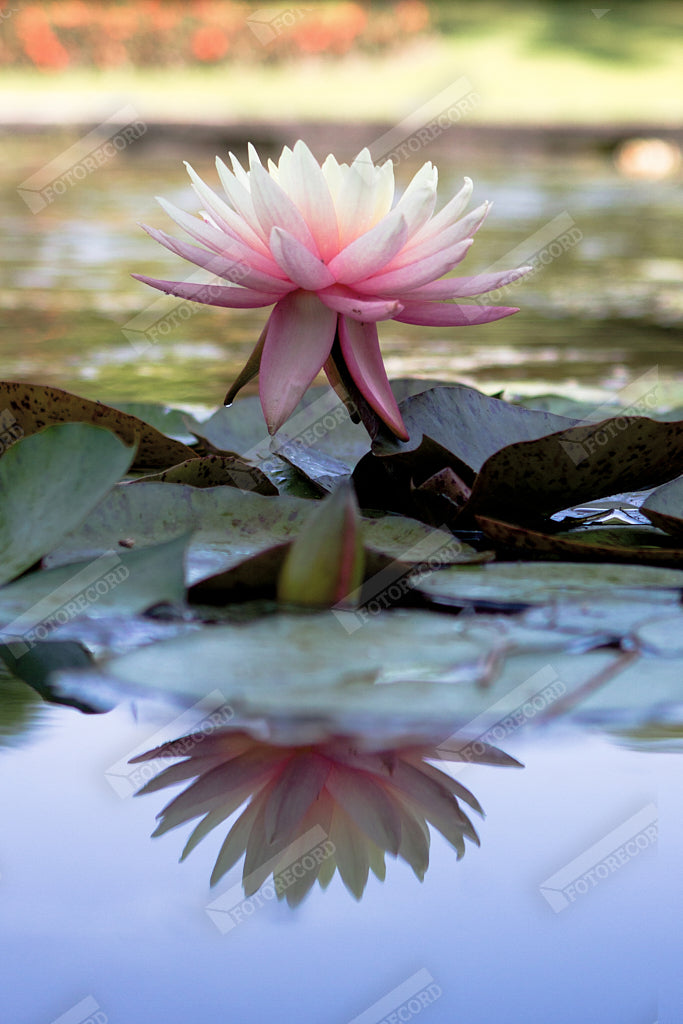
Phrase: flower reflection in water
pixel 367 799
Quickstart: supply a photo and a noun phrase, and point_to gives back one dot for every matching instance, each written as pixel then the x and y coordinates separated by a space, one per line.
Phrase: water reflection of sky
pixel 92 907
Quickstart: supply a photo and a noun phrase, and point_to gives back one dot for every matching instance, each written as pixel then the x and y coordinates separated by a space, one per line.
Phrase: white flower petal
pixel 298 262
pixel 372 251
pixel 398 282
pixel 449 214
pixel 240 196
pixel 274 208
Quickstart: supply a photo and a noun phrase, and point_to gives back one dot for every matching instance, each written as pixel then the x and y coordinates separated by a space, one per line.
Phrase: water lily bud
pixel 325 564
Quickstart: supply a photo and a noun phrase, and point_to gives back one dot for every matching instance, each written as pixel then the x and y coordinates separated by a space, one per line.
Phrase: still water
pixel 532 925
pixel 570 909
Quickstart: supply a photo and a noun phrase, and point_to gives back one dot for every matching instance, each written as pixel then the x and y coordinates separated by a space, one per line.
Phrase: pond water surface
pixel 538 923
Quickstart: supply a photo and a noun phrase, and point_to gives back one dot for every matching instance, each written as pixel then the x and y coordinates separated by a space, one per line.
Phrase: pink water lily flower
pixel 326 247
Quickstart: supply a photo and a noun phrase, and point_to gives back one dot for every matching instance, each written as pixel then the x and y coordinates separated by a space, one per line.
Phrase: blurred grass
pixel 528 63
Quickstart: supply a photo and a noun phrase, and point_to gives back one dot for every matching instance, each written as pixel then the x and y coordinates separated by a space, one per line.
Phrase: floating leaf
pixel 520 464
pixel 324 472
pixel 468 424
pixel 49 482
pixel 634 545
pixel 174 423
pixel 214 471
pixel 309 664
pixel 115 582
pixel 320 421
pixel 551 473
pixel 37 665
pixel 34 406
pixel 664 507
pixel 518 584
pixel 229 526
pixel 307 667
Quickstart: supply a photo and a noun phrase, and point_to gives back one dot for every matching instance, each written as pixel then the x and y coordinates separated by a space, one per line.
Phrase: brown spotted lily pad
pixel 215 471
pixel 474 455
pixel 664 507
pixel 28 408
pixel 627 545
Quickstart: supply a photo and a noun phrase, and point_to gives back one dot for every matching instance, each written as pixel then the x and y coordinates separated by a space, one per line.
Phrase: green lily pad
pixel 36 666
pixel 664 507
pixel 174 423
pixel 540 477
pixel 320 422
pixel 309 664
pixel 563 405
pixel 662 636
pixel 509 462
pixel 34 406
pixel 49 482
pixel 214 471
pixel 115 582
pixel 228 526
pixel 470 425
pixel 323 472
pixel 540 583
pixel 308 667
